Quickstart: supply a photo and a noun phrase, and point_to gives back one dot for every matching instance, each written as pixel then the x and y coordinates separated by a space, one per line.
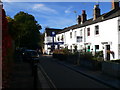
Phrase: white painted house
pixel 101 33
pixel 50 41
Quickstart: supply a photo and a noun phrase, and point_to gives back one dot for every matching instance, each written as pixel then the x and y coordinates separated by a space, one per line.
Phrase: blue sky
pixel 54 14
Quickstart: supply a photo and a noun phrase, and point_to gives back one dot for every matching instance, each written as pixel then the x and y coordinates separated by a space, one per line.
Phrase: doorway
pixel 108 52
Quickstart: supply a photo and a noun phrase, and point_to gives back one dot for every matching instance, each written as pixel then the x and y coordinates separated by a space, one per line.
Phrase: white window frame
pixel 75 34
pixel 70 34
pixel 97 30
pixel 89 31
pixel 81 32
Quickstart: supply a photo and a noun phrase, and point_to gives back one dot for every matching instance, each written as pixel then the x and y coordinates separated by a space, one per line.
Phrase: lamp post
pixel 53 46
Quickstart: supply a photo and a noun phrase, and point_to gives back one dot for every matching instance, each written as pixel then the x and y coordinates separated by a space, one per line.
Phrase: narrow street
pixel 63 77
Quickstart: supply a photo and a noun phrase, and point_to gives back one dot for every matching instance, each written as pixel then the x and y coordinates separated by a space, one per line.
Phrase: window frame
pixel 75 33
pixel 81 32
pixel 79 39
pixel 119 25
pixel 97 48
pixel 70 34
pixel 88 31
pixel 96 29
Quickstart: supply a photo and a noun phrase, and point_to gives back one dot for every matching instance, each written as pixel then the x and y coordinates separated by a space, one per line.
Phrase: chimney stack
pixel 83 16
pixel 96 12
pixel 115 4
pixel 79 19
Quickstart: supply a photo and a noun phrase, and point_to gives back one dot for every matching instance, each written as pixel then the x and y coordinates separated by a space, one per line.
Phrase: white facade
pixel 98 34
pixel 48 41
pixel 109 34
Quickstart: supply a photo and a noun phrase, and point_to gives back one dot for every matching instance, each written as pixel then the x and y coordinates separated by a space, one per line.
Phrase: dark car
pixel 20 51
pixel 30 56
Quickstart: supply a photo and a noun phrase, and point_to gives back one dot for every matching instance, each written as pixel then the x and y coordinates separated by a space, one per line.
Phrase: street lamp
pixel 53 34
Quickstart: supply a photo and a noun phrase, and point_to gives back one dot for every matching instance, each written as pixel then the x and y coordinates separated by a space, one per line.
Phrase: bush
pixel 98 58
pixel 99 54
pixel 86 56
pixel 61 54
pixel 60 51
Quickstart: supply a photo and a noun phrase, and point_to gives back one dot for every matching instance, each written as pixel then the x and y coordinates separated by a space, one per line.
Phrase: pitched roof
pixel 49 30
pixel 111 14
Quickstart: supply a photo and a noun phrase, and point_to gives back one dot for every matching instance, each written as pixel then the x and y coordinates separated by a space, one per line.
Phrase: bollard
pixel 35 74
pixel 78 59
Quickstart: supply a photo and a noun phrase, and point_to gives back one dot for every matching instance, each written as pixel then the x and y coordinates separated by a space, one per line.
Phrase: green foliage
pixel 13 30
pixel 97 58
pixel 61 51
pixel 86 56
pixel 99 54
pixel 24 29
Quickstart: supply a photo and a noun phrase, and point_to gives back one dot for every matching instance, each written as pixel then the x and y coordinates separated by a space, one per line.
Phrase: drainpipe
pixel 85 38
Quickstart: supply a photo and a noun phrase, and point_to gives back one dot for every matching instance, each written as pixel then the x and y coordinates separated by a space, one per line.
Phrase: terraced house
pixel 100 33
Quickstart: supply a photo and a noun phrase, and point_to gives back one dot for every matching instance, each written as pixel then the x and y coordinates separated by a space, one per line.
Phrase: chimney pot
pixel 115 4
pixel 83 11
pixel 79 19
pixel 83 16
pixel 96 12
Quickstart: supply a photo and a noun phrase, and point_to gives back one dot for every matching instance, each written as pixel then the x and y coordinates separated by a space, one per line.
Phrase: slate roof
pixel 111 14
pixel 49 30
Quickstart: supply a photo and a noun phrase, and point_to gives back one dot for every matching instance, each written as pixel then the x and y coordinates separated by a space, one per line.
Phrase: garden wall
pixel 91 64
pixel 111 68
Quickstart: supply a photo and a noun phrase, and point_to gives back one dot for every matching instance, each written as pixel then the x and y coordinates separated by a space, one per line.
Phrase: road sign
pixel 53 33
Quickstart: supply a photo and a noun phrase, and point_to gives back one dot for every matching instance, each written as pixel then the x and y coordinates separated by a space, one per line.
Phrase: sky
pixel 54 14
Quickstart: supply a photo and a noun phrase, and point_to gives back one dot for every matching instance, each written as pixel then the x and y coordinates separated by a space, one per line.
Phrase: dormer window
pixel 96 30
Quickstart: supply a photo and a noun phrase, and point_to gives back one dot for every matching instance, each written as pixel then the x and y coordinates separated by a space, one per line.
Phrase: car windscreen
pixel 34 53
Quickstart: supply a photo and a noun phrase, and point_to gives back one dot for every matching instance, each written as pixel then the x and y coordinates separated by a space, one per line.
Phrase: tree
pixel 41 44
pixel 12 28
pixel 25 30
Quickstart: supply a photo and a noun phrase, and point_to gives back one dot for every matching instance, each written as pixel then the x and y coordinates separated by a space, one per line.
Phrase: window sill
pixel 97 35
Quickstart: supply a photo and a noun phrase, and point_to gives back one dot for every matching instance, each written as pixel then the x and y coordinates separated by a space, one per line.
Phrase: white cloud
pixel 60 22
pixel 68 10
pixel 44 9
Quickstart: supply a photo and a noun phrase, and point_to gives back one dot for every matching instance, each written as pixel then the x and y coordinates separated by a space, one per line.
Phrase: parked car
pixel 30 56
pixel 20 51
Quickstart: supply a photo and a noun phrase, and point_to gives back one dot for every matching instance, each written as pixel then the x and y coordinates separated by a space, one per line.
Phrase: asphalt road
pixel 63 77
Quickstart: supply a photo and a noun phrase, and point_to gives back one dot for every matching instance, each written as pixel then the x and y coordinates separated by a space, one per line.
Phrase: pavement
pixel 22 76
pixel 96 75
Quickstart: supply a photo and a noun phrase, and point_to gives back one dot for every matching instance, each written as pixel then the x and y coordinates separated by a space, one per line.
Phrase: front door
pixel 108 53
pixel 88 49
